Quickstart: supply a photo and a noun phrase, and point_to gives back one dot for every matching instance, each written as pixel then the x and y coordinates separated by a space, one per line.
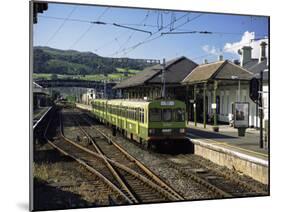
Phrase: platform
pixel 83 106
pixel 226 148
pixel 39 114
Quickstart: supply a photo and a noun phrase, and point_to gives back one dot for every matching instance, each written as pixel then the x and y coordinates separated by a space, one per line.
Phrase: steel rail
pixel 109 166
pixel 83 163
pixel 164 191
pixel 121 167
pixel 190 174
pixel 139 164
pixel 229 176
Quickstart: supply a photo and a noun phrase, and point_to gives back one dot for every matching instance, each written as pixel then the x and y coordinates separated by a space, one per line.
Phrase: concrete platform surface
pixel 228 138
pixel 226 148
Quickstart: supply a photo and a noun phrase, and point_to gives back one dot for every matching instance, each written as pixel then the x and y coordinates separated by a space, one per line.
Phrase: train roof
pixel 138 102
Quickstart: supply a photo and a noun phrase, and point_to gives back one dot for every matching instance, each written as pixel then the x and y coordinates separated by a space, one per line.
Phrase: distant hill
pixel 70 62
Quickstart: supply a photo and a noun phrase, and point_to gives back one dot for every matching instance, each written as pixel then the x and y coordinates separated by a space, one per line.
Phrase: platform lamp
pixel 260 106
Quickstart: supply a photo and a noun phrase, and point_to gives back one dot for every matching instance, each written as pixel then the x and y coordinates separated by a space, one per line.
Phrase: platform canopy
pixel 175 71
pixel 221 70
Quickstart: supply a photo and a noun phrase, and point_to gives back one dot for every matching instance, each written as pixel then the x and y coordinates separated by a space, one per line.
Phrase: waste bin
pixel 215 128
pixel 241 131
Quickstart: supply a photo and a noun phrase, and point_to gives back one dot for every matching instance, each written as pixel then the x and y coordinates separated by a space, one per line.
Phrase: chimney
pixel 262 51
pixel 245 55
pixel 205 61
pixel 236 62
pixel 220 57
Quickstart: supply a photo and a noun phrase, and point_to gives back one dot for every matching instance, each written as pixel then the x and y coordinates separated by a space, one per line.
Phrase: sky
pixel 69 26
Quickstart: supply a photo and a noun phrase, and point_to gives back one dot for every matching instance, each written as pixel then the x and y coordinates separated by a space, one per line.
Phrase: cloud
pixel 211 50
pixel 246 40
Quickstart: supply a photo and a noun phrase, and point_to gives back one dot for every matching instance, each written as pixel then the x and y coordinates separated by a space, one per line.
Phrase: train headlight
pixel 151 131
pixel 166 130
pixel 182 130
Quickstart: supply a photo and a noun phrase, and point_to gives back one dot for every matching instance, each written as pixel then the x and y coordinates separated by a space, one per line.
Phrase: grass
pixel 130 71
pixel 94 77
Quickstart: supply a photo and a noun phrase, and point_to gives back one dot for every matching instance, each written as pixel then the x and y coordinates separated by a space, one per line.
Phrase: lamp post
pixel 163 94
pixel 261 110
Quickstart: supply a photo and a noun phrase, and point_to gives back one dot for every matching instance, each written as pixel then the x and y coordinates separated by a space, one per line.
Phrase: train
pixel 147 122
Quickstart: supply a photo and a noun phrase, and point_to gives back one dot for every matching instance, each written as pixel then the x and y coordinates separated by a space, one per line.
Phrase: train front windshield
pixel 166 115
pixel 179 114
pixel 155 114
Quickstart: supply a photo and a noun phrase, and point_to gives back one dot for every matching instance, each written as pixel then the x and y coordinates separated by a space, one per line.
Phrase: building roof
pixel 175 72
pixel 35 85
pixel 221 70
pixel 256 67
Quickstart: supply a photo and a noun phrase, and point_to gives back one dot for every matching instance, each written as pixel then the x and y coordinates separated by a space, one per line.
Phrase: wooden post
pixel 204 104
pixel 187 104
pixel 194 106
pixel 214 101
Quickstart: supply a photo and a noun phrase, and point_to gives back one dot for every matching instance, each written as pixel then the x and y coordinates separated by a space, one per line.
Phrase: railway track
pixel 107 147
pixel 239 186
pixel 223 184
pixel 129 184
pixel 86 159
pixel 225 187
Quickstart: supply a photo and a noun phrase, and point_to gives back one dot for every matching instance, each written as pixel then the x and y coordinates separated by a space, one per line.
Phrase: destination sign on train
pixel 167 103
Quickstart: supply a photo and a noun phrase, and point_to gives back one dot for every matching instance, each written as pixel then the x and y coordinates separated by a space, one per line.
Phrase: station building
pixel 258 66
pixel 40 96
pixel 219 83
pixel 149 82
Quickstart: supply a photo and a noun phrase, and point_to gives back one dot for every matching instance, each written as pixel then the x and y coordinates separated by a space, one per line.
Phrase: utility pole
pixel 261 110
pixel 163 80
pixel 104 89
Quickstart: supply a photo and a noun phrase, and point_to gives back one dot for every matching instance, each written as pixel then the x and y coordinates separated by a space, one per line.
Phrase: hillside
pixel 70 62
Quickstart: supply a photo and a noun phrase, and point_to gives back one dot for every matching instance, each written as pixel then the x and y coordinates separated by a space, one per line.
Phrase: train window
pixel 124 112
pixel 155 114
pixel 179 115
pixel 141 115
pixel 167 115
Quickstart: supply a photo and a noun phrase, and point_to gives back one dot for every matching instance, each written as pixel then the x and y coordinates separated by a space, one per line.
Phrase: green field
pixel 130 71
pixel 95 77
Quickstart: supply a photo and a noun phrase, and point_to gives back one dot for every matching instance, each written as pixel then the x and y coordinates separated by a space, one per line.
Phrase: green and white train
pixel 147 122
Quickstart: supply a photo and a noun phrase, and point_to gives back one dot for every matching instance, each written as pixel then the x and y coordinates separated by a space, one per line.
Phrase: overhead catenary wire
pixel 61 25
pixel 131 47
pixel 148 38
pixel 121 35
pixel 97 22
pixel 88 29
pixel 204 32
pixel 131 35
